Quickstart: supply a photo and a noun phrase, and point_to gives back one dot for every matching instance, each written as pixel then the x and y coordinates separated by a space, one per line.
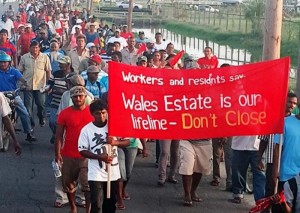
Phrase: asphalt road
pixel 27 184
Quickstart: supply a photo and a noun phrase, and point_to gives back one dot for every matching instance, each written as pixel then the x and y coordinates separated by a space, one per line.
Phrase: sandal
pixel 236 200
pixel 214 183
pixel 126 197
pixel 197 199
pixel 120 206
pixel 58 205
pixel 81 205
pixel 187 203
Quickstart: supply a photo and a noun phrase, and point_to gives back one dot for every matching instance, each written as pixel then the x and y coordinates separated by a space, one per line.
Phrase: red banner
pixel 192 104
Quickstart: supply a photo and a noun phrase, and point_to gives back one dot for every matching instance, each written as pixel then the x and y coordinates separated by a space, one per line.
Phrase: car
pixel 207 8
pixel 125 5
pixel 231 2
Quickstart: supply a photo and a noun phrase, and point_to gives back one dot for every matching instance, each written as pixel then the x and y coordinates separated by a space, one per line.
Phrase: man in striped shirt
pixel 58 85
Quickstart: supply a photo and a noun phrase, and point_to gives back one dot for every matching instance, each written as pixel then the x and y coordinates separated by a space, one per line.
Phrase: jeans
pixel 157 150
pixel 52 119
pixel 23 113
pixel 98 197
pixel 126 158
pixel 168 147
pixel 240 164
pixel 217 149
pixel 39 99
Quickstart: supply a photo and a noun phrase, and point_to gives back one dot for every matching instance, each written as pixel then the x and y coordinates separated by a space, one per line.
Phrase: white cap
pixel 91 44
pixel 79 21
pixel 28 25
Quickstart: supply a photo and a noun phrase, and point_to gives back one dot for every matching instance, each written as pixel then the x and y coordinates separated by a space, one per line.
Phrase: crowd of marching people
pixel 59 60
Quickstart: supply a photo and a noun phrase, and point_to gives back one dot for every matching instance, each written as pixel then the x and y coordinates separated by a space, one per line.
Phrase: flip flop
pixel 126 197
pixel 197 199
pixel 81 205
pixel 187 203
pixel 236 200
pixel 214 183
pixel 120 207
pixel 58 205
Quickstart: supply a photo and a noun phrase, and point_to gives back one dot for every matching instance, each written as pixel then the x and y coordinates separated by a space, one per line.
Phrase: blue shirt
pixel 290 158
pixel 9 79
pixel 93 88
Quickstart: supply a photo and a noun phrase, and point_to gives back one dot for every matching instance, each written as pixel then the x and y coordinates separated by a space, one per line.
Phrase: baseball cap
pixel 92 69
pixel 117 30
pixel 28 25
pixel 76 80
pixel 92 16
pixel 91 44
pixel 96 58
pixel 143 58
pixel 64 60
pixel 77 90
pixel 20 25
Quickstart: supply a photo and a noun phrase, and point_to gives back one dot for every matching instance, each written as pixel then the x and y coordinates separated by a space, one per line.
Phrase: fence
pixel 228 19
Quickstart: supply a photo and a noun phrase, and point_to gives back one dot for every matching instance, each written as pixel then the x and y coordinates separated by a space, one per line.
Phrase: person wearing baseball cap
pixel 141 37
pixel 7 24
pixel 92 21
pixel 142 61
pixel 92 84
pixel 58 85
pixel 118 38
pixel 25 39
pixel 70 121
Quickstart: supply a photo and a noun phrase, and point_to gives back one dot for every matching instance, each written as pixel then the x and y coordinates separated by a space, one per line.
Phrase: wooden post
pixel 298 68
pixel 129 16
pixel 108 172
pixel 272 29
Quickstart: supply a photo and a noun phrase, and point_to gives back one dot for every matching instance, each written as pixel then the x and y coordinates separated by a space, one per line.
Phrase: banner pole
pixel 279 158
pixel 108 172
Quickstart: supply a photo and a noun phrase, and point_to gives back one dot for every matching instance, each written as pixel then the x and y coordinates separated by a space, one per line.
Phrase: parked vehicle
pixel 125 5
pixel 231 2
pixel 207 8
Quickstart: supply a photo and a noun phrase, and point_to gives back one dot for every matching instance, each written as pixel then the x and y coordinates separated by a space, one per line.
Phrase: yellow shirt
pixel 35 70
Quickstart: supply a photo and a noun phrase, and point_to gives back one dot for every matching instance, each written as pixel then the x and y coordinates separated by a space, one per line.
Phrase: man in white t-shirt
pixel 159 43
pixel 5 120
pixel 7 24
pixel 93 144
pixel 118 38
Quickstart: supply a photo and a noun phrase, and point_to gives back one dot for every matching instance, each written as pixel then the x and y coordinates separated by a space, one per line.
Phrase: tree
pixel 254 11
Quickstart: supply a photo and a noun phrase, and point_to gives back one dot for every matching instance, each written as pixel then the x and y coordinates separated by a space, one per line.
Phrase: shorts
pixel 74 169
pixel 195 158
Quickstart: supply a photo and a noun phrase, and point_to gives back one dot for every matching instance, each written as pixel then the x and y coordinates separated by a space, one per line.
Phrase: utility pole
pixel 129 17
pixel 272 29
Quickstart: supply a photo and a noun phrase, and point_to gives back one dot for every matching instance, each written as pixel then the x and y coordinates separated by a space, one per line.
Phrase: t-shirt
pixel 92 38
pixel 205 63
pixel 9 79
pixel 93 88
pixel 290 157
pixel 73 121
pixel 243 143
pixel 93 139
pixel 58 84
pixel 8 48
